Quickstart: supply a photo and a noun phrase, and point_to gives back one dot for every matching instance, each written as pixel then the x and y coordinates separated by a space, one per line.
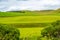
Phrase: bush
pixel 52 32
pixel 9 33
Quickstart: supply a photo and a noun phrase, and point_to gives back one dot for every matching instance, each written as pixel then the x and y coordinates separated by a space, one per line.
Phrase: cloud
pixel 29 5
pixel 3 0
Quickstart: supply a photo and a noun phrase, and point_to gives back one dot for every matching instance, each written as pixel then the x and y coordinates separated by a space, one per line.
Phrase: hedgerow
pixel 9 33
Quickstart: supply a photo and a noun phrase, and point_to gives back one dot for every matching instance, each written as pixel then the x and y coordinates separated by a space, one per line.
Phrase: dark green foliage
pixel 9 33
pixel 26 25
pixel 52 32
pixel 18 11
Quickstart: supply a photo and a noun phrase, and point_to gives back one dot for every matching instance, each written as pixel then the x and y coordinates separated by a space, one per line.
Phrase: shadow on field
pixel 51 32
pixel 27 25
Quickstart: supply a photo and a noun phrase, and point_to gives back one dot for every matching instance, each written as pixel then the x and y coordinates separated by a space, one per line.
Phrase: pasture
pixel 29 32
pixel 28 18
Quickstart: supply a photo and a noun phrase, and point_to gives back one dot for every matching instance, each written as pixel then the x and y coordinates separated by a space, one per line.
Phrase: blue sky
pixel 9 5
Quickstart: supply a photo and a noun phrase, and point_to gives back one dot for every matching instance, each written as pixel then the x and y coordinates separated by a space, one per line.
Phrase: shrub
pixel 52 32
pixel 9 33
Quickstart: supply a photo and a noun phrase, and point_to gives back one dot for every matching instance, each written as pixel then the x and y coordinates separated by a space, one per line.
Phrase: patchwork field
pixel 29 19
pixel 29 32
pixel 29 23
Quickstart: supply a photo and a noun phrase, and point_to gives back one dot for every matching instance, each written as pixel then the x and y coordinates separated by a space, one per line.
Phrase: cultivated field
pixel 29 19
pixel 29 32
pixel 14 19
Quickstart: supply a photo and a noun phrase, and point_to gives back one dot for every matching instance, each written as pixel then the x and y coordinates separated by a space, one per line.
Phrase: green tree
pixel 9 33
pixel 52 32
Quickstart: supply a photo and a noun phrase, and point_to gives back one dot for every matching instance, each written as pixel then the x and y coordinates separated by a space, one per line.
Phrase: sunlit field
pixel 23 21
pixel 29 19
pixel 29 32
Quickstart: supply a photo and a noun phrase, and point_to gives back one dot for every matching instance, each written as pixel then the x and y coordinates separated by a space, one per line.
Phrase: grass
pixel 8 14
pixel 29 32
pixel 30 13
pixel 29 17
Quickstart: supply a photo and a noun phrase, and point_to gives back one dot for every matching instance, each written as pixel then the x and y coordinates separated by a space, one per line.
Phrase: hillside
pixel 30 13
pixel 29 23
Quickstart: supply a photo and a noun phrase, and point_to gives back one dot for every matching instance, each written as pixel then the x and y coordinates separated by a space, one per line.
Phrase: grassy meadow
pixel 23 20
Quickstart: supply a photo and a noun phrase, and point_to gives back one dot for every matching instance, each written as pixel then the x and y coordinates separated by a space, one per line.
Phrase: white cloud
pixel 30 4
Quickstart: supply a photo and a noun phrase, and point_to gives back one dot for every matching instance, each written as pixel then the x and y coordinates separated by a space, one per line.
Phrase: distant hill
pixel 30 13
pixel 23 11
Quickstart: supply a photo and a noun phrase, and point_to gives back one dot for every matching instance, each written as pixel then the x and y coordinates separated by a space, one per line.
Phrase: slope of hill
pixel 30 13
pixel 29 23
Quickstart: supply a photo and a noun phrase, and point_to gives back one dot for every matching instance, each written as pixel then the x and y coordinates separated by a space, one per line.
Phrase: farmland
pixel 34 31
pixel 29 19
pixel 24 21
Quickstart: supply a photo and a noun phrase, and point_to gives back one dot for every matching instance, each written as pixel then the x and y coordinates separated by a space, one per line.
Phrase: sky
pixel 13 5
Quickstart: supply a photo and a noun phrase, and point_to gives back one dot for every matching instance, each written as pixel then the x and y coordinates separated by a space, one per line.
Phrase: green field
pixel 29 32
pixel 35 31
pixel 30 13
pixel 23 18
pixel 29 19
